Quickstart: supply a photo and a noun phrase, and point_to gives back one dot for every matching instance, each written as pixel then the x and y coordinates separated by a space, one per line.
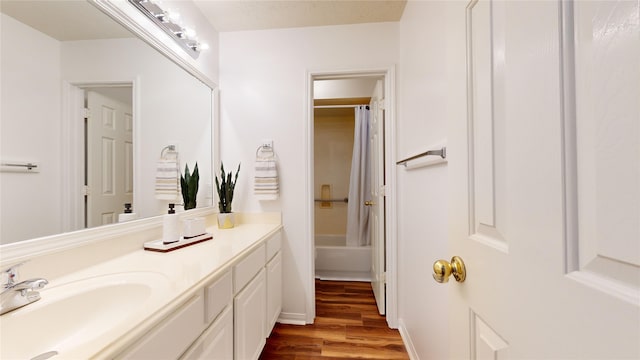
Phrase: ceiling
pixel 79 20
pixel 239 15
pixel 74 20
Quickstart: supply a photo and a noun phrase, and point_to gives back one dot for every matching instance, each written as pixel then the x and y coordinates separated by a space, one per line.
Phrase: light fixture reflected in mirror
pixel 169 23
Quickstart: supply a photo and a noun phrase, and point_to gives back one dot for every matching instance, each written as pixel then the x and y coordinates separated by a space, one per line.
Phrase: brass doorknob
pixel 368 203
pixel 442 269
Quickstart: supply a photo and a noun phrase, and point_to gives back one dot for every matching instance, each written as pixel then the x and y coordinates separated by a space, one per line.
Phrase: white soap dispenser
pixel 170 226
pixel 128 214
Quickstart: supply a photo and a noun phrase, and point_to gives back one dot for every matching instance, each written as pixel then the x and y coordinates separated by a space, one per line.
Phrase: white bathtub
pixel 336 261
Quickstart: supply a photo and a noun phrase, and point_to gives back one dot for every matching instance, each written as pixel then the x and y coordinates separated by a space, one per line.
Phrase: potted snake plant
pixel 225 187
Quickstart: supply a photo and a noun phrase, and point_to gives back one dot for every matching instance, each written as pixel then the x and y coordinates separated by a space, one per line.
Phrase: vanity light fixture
pixel 168 22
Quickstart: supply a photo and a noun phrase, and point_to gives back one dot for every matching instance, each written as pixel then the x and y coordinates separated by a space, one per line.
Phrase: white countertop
pixel 182 272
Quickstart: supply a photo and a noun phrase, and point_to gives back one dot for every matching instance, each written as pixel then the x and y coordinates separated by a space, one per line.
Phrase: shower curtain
pixel 359 182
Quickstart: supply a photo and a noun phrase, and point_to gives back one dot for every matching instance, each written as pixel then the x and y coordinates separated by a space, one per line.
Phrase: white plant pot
pixel 226 220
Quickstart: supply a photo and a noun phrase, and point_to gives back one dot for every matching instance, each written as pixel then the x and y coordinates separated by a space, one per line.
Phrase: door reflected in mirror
pixel 59 57
pixel 109 152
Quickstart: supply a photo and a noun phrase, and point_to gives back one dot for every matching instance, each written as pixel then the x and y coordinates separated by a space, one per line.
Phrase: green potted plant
pixel 189 186
pixel 225 187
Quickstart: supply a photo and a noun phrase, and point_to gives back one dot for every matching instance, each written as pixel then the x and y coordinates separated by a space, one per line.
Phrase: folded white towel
pixel 167 179
pixel 266 179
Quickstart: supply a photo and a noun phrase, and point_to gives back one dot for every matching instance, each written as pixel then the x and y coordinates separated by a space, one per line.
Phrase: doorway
pixel 108 168
pixel 333 99
pixel 337 190
pixel 98 139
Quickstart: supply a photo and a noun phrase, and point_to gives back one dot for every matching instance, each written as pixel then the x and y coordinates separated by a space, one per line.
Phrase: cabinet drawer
pixel 246 269
pixel 217 342
pixel 174 335
pixel 217 296
pixel 273 245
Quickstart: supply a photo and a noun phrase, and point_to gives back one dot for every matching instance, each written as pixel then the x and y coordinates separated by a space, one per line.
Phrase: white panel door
pixel 376 221
pixel 109 158
pixel 549 162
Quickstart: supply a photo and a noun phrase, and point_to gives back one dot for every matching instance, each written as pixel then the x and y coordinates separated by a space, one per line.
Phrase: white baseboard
pixel 406 339
pixel 292 318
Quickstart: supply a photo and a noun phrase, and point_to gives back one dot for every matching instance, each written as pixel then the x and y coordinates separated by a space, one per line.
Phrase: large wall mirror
pixel 58 58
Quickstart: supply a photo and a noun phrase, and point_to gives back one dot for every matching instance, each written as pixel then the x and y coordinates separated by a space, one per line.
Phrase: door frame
pixel 72 142
pixel 391 244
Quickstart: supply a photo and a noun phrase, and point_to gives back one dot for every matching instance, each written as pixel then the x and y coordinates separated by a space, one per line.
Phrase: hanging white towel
pixel 266 179
pixel 167 179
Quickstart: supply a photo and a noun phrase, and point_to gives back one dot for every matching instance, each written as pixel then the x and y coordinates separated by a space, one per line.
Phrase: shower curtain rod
pixel 337 106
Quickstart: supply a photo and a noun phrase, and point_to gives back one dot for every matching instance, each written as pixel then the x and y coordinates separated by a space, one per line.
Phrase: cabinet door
pixel 217 342
pixel 250 318
pixel 274 292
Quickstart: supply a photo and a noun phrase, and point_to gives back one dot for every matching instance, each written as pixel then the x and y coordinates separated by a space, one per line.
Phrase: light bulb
pixel 190 33
pixel 173 15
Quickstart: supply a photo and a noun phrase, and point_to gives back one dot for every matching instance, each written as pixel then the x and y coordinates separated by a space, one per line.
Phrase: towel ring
pixel 267 149
pixel 168 148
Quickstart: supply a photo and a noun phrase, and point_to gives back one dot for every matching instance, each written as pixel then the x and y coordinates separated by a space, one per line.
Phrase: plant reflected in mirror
pixel 189 186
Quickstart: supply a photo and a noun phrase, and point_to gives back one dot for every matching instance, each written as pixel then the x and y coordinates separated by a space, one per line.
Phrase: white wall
pixel 431 85
pixel 263 80
pixel 29 131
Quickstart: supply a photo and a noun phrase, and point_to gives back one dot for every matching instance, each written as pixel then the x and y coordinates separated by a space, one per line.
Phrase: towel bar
pixel 29 166
pixel 442 153
pixel 17 166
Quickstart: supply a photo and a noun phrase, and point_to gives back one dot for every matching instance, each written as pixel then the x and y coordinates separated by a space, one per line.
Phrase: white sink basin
pixel 72 316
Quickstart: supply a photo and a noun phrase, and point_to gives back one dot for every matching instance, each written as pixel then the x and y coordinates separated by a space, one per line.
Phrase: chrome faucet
pixel 15 295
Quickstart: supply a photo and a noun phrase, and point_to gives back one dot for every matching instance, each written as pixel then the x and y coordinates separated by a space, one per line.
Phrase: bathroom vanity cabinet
pixel 228 318
pixel 218 299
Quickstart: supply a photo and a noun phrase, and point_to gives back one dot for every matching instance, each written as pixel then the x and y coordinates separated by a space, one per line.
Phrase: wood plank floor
pixel 347 326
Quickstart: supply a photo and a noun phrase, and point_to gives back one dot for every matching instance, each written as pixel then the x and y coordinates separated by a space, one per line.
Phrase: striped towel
pixel 167 179
pixel 266 180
